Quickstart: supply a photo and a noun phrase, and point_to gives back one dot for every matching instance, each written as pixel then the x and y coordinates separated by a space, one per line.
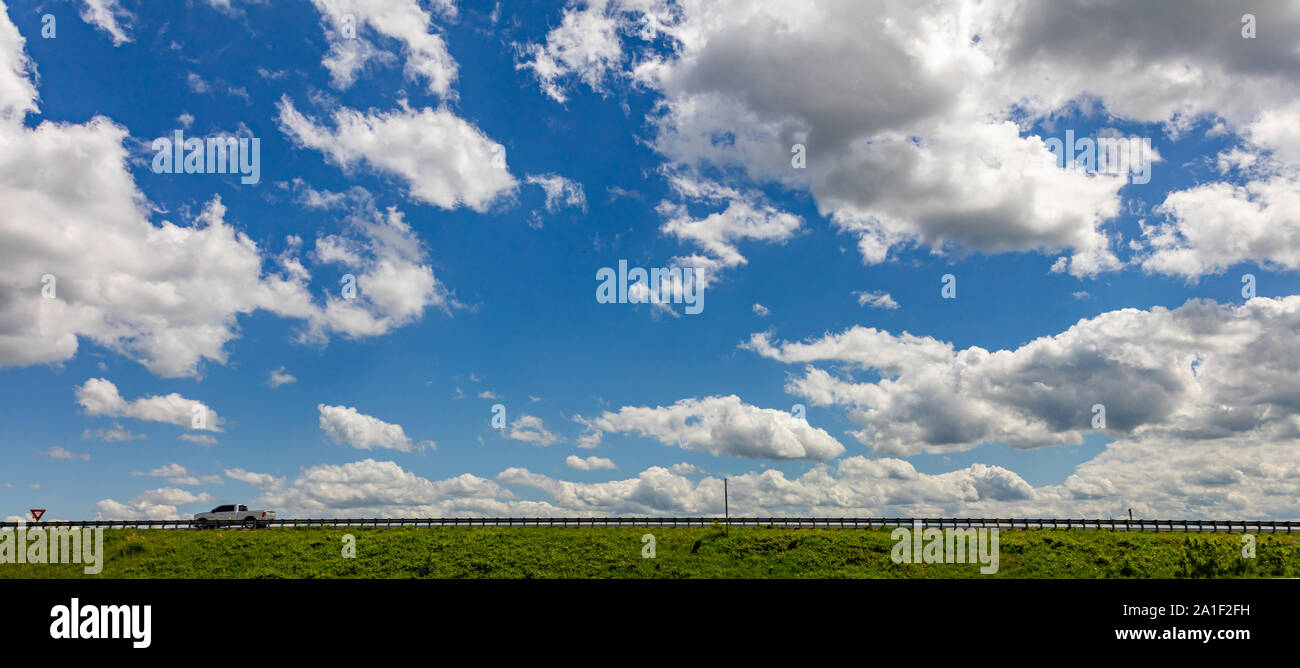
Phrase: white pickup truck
pixel 226 515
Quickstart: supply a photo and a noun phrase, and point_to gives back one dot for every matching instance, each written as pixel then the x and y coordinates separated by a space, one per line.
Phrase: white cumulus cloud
pixel 346 426
pixel 589 463
pixel 100 397
pixel 443 159
pixel 723 426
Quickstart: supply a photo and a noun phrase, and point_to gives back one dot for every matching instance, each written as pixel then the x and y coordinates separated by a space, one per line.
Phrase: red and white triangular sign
pixel 38 513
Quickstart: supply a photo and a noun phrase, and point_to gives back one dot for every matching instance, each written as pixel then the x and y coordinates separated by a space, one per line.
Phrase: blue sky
pixel 659 134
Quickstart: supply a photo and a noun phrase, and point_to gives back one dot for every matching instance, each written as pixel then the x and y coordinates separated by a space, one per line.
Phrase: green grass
pixel 680 553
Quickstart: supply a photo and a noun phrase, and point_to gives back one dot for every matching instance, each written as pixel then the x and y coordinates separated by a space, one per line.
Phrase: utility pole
pixel 726 506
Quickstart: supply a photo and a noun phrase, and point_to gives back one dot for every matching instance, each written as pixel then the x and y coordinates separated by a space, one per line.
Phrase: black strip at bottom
pixel 308 617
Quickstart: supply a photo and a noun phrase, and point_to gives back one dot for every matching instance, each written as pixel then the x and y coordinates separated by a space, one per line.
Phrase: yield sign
pixel 38 513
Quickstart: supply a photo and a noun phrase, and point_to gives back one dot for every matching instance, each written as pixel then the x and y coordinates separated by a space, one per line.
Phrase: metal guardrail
pixel 1185 526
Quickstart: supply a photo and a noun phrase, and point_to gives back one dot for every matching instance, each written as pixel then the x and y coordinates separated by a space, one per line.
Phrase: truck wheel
pixel 250 522
pixel 200 524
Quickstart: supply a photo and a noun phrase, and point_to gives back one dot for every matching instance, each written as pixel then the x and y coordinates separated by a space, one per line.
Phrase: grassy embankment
pixel 680 553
